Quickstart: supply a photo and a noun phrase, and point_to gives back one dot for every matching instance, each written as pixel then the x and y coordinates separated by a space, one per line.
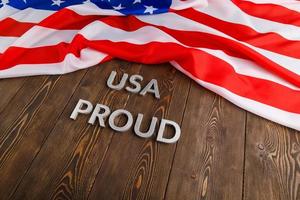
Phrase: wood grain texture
pixel 22 140
pixel 137 168
pixel 209 157
pixel 9 87
pixel 19 101
pixel 61 160
pixel 272 161
pixel 223 153
pixel 88 155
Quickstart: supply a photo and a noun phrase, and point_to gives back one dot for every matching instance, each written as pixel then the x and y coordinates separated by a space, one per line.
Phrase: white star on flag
pixel 137 1
pixel 57 2
pixel 4 2
pixel 150 9
pixel 119 7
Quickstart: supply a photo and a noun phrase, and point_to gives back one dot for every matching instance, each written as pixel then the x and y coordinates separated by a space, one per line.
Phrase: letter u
pixel 137 127
pixel 111 79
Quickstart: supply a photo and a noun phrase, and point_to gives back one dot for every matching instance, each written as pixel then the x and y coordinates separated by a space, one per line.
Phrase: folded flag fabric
pixel 246 51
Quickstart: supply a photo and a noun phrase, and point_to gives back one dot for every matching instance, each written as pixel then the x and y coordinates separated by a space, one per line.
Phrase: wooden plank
pixel 272 169
pixel 8 89
pixel 45 155
pixel 136 168
pixel 22 139
pixel 208 162
pixel 22 98
pixel 57 170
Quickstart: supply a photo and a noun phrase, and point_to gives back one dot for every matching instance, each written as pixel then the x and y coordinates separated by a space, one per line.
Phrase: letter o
pixel 115 114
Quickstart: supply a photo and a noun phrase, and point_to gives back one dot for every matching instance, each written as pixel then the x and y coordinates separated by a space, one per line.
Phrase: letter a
pixel 148 88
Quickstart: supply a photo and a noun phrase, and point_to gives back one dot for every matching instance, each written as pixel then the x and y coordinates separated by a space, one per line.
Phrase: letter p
pixel 79 108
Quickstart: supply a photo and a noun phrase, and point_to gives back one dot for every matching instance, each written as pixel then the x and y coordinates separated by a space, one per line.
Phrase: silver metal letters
pixel 102 113
pixel 135 87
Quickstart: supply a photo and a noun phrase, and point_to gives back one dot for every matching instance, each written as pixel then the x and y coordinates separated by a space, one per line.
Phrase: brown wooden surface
pixel 224 152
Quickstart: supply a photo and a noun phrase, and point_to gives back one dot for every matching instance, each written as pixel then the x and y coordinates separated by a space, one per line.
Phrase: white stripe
pixel 249 68
pixel 101 31
pixel 141 36
pixel 228 11
pixel 39 36
pixel 180 5
pixel 290 4
pixel 92 9
pixel 32 15
pixel 5 42
pixel 149 34
pixel 7 11
pixel 176 22
pixel 280 116
pixel 27 15
pixel 88 58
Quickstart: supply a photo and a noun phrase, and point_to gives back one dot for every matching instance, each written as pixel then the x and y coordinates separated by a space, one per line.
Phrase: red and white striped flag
pixel 246 51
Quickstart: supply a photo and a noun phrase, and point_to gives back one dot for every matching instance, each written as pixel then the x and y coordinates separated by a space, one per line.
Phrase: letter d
pixel 161 130
pixel 78 109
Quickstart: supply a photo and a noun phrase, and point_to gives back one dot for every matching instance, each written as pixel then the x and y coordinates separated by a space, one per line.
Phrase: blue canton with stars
pixel 127 7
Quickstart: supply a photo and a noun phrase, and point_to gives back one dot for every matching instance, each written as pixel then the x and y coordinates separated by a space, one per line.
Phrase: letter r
pixel 96 114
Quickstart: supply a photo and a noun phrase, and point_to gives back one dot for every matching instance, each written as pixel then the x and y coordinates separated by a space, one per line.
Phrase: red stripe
pixel 189 38
pixel 270 12
pixel 208 68
pixel 202 65
pixel 40 55
pixel 11 27
pixel 196 39
pixel 205 40
pixel 66 19
pixel 269 41
pixel 214 70
pixel 199 63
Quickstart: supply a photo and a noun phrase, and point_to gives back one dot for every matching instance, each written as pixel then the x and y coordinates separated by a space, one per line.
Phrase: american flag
pixel 246 51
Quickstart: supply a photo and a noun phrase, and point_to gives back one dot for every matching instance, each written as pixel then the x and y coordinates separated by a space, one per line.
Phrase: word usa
pixel 101 112
pixel 135 86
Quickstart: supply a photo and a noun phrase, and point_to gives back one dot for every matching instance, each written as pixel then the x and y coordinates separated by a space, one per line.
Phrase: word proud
pixel 102 112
